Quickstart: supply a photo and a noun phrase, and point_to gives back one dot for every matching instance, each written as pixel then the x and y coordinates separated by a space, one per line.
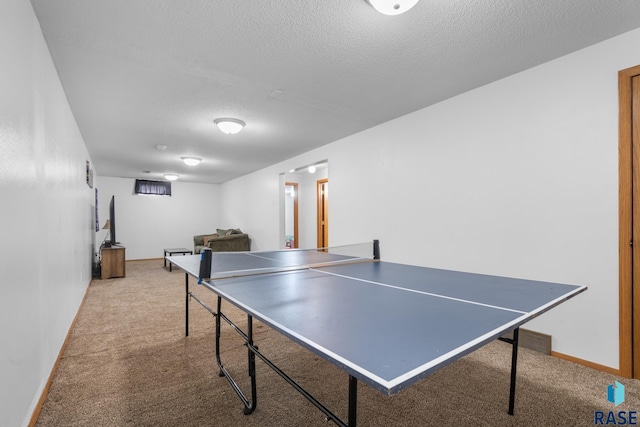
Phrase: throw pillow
pixel 207 238
pixel 222 232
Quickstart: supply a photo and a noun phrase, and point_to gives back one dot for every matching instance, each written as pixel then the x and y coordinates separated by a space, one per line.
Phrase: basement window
pixel 158 188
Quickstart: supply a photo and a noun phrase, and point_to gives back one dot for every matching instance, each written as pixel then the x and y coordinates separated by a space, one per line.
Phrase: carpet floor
pixel 128 363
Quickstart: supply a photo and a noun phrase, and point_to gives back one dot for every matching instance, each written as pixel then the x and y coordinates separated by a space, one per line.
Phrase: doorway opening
pixel 298 205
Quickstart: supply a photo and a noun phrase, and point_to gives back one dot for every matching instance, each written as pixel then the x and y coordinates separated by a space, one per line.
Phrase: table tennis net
pixel 237 264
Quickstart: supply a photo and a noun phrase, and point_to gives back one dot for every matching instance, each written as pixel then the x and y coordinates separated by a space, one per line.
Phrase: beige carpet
pixel 128 363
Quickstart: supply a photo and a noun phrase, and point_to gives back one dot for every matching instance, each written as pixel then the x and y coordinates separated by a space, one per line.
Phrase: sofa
pixel 229 240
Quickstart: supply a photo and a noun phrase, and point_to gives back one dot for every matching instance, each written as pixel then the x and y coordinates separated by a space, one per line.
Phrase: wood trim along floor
pixel 45 390
pixel 596 366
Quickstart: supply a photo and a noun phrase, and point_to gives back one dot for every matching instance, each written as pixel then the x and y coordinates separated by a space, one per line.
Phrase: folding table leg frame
pixel 251 403
pixel 353 382
pixel 249 407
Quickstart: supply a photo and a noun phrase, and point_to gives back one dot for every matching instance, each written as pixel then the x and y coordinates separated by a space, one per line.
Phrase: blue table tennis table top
pixel 384 323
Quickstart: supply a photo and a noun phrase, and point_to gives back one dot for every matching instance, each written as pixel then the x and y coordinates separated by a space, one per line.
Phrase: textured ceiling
pixel 300 73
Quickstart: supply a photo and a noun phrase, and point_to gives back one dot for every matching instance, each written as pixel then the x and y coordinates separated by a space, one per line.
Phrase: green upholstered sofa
pixel 230 240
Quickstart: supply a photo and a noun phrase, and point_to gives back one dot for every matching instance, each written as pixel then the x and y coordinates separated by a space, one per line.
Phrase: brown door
pixel 635 150
pixel 629 222
pixel 322 194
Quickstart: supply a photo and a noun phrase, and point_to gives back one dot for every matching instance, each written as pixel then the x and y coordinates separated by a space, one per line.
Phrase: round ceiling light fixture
pixel 392 7
pixel 191 161
pixel 170 176
pixel 229 126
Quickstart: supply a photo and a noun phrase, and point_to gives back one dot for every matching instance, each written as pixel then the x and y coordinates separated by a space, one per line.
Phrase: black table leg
pixel 186 304
pixel 514 361
pixel 353 400
pixel 252 367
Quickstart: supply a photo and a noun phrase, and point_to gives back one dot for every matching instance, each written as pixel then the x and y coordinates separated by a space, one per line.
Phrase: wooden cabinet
pixel 112 262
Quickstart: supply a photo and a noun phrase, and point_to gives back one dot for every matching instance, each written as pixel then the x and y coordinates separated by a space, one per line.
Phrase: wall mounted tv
pixel 112 222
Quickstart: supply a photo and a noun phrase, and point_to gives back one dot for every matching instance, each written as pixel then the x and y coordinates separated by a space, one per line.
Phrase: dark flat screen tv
pixel 112 221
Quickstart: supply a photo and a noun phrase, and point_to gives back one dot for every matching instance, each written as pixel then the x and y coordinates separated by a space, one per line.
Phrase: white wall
pixel 47 214
pixel 145 225
pixel 517 178
pixel 252 203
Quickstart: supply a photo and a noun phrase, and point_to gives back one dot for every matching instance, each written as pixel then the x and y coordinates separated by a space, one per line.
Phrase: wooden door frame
pixel 319 207
pixel 625 230
pixel 296 238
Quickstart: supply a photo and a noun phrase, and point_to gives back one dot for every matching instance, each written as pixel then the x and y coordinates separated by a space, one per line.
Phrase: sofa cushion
pixel 232 239
pixel 233 242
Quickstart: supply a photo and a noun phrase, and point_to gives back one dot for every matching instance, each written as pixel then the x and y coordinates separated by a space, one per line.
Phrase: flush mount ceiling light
pixel 229 126
pixel 191 161
pixel 170 176
pixel 392 7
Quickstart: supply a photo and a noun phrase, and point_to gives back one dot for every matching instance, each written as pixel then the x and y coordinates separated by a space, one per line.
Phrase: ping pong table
pixel 385 324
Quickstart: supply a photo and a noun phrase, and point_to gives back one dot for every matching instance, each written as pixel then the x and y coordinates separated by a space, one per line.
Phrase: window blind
pixel 159 188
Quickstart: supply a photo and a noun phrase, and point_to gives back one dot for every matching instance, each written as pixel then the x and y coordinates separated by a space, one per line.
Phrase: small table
pixel 172 251
pixel 112 262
